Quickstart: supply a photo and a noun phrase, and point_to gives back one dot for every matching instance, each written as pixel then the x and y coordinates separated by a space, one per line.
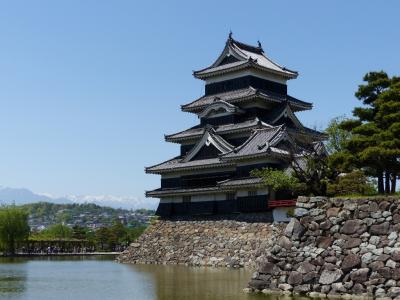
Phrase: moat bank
pixel 217 243
pixel 335 247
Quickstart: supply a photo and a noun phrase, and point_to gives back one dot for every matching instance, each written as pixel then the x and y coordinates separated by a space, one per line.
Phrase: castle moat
pixel 103 278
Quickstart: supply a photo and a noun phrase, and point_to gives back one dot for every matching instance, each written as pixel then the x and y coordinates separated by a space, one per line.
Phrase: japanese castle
pixel 247 121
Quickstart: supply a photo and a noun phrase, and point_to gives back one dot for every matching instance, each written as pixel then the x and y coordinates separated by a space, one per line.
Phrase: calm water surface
pixel 102 278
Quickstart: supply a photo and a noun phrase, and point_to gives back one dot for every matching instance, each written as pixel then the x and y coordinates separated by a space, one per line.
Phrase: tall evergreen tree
pixel 374 144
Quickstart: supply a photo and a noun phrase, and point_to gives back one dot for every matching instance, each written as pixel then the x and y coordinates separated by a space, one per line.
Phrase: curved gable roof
pixel 246 56
pixel 261 142
pixel 285 111
pixel 209 138
pixel 220 104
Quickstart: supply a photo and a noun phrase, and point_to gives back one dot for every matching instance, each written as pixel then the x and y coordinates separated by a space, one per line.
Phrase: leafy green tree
pixel 57 231
pixel 79 232
pixel 337 137
pixel 353 183
pixel 118 228
pixel 118 234
pixel 64 217
pixel 13 228
pixel 276 180
pixel 102 237
pixel 135 232
pixel 309 165
pixel 375 141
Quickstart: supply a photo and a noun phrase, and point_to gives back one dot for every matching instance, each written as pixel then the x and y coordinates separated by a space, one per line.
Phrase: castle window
pixel 252 193
pixel 230 196
pixel 186 199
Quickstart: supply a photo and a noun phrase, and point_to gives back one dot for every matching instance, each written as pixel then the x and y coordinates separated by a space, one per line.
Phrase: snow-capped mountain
pixel 23 196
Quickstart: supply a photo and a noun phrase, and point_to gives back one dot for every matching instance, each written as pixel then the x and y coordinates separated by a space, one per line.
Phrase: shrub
pixel 355 182
pixel 277 180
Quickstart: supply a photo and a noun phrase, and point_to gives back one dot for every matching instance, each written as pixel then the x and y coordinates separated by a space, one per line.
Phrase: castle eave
pixel 243 95
pixel 221 187
pixel 176 164
pixel 234 67
pixel 195 133
pixel 159 193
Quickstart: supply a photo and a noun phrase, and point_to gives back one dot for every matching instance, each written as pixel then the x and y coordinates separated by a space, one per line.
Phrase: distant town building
pixel 247 121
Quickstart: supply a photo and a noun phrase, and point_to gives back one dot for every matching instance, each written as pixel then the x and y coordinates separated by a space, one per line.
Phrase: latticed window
pixel 187 199
pixel 230 196
pixel 252 193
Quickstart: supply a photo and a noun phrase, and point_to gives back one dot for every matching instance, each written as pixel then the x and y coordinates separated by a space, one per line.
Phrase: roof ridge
pixel 256 49
pixel 168 160
pixel 275 130
pixel 248 56
pixel 215 95
pixel 218 142
pixel 236 149
pixel 279 130
pixel 222 140
pixel 194 127
pixel 224 128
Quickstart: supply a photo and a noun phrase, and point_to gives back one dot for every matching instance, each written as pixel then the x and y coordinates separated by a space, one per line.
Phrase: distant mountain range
pixel 21 196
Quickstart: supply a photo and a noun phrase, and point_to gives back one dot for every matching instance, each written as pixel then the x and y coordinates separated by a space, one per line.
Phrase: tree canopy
pixel 337 137
pixel 13 228
pixel 374 144
pixel 277 180
pixel 57 231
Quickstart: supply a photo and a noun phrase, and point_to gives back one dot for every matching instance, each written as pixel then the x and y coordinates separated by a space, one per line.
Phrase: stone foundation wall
pixel 335 247
pixel 218 243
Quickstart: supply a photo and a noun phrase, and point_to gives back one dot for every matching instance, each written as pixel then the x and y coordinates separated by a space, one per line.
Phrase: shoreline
pixel 61 254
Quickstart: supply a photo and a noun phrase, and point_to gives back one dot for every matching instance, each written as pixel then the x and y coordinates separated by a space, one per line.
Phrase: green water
pixel 102 278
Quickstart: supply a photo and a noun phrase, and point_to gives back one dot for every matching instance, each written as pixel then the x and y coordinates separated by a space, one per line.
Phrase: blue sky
pixel 88 88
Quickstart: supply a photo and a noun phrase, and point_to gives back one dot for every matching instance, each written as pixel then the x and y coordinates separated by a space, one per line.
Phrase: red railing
pixel 281 203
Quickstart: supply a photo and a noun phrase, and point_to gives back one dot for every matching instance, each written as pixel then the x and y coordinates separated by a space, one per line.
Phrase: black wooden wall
pixel 244 82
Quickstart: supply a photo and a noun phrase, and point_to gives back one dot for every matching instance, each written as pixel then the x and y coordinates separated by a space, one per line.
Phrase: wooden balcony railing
pixel 281 203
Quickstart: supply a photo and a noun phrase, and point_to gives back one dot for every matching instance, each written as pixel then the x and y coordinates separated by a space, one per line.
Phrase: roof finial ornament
pixel 230 35
pixel 259 44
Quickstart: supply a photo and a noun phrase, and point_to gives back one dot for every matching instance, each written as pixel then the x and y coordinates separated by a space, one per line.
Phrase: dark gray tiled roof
pixel 227 96
pixel 221 129
pixel 241 95
pixel 314 135
pixel 257 143
pixel 221 67
pixel 262 142
pixel 191 132
pixel 247 56
pixel 297 101
pixel 240 182
pixel 221 186
pixel 276 112
pixel 166 192
pixel 316 132
pixel 177 164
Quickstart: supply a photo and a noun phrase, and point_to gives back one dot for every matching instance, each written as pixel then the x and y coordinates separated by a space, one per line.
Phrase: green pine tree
pixel 374 144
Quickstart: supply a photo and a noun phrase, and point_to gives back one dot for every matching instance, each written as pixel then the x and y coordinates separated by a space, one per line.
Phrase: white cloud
pixel 115 201
pixel 22 195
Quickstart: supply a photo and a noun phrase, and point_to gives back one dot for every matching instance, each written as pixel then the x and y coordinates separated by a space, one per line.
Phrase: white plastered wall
pixel 280 214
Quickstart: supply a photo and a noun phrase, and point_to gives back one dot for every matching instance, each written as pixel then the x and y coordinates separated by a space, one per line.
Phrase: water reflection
pixel 100 278
pixel 13 276
pixel 180 282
